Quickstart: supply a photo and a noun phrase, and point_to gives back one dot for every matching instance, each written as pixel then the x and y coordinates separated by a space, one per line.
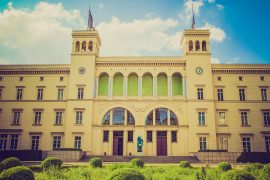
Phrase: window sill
pixel 245 125
pixel 36 124
pixel 105 141
pixel 222 125
pixel 130 142
pixel 58 124
pixel 149 142
pixel 265 125
pixel 174 142
pixel 15 124
pixel 202 125
pixel 78 124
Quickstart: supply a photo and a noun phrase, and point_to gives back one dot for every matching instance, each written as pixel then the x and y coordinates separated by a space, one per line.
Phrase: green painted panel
pixel 162 85
pixel 118 85
pixel 133 85
pixel 147 85
pixel 177 85
pixel 103 85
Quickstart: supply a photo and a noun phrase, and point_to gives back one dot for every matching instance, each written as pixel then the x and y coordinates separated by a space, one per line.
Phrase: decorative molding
pixel 246 134
pixel 224 134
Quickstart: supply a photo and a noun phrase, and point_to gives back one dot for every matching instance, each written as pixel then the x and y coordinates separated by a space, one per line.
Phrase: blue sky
pixel 39 31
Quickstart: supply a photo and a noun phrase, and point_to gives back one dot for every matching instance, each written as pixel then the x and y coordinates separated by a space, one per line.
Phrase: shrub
pixel 184 164
pixel 11 162
pixel 224 166
pixel 237 175
pixel 51 162
pixel 137 162
pixel 254 168
pixel 1 167
pixel 253 157
pixel 265 172
pixel 96 162
pixel 126 174
pixel 17 173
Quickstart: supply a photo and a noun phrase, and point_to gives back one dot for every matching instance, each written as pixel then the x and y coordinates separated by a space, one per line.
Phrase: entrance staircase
pixel 146 159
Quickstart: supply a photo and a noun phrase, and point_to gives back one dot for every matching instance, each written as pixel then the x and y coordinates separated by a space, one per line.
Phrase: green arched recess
pixel 133 85
pixel 118 85
pixel 147 85
pixel 177 85
pixel 103 85
pixel 162 85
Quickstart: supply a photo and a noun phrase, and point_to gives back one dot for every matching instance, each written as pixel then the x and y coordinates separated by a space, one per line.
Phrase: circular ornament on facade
pixel 82 70
pixel 199 70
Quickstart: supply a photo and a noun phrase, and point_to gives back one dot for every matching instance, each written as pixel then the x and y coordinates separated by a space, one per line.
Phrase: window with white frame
pixel 58 117
pixel 221 117
pixel 3 141
pixel 35 142
pixel 244 118
pixel 246 144
pixel 264 94
pixel 267 143
pixel 220 94
pixel 201 118
pixel 60 94
pixel 242 94
pixel 37 118
pixel 80 93
pixel 56 142
pixel 202 143
pixel 223 143
pixel 266 118
pixel 16 117
pixel 79 117
pixel 14 140
pixel 1 93
pixel 19 94
pixel 77 142
pixel 200 93
pixel 40 94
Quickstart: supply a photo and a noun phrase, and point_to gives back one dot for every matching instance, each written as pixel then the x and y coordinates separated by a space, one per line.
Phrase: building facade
pixel 146 106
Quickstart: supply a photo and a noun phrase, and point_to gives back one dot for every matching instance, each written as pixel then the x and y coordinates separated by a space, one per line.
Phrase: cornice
pixel 241 68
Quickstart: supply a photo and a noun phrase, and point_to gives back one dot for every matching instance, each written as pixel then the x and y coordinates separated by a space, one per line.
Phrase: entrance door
pixel 118 143
pixel 161 143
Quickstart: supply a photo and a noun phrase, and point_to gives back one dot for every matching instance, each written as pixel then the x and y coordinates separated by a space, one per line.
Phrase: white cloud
pixel 101 6
pixel 220 7
pixel 132 38
pixel 235 60
pixel 217 34
pixel 211 1
pixel 41 35
pixel 215 60
pixel 186 14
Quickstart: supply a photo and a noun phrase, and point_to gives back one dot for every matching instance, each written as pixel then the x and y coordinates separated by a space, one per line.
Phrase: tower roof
pixel 90 20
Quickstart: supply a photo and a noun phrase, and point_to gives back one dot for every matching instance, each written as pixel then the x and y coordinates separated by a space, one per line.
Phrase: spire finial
pixel 193 19
pixel 90 20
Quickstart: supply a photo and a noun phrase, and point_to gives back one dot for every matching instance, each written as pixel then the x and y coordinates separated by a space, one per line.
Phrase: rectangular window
pixel 267 143
pixel 80 93
pixel 221 117
pixel 3 141
pixel 41 78
pixel 77 142
pixel 105 136
pixel 37 117
pixel 203 143
pixel 240 78
pixel 246 144
pixel 58 117
pixel 40 94
pixel 1 78
pixel 244 118
pixel 219 78
pixel 19 94
pixel 174 136
pixel 201 118
pixel 60 94
pixel 262 78
pixel 264 94
pixel 1 93
pixel 61 78
pixel 14 141
pixel 220 94
pixel 200 93
pixel 223 143
pixel 56 142
pixel 266 118
pixel 149 136
pixel 35 143
pixel 130 136
pixel 21 79
pixel 242 94
pixel 79 117
pixel 16 117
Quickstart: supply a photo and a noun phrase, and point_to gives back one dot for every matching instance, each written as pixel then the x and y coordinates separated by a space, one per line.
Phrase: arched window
pixel 147 85
pixel 119 117
pixel 84 46
pixel 90 46
pixel 204 46
pixel 162 115
pixel 103 84
pixel 118 84
pixel 77 46
pixel 177 87
pixel 162 85
pixel 197 44
pixel 132 85
pixel 190 45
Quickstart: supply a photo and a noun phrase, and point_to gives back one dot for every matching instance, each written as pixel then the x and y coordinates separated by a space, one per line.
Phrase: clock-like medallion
pixel 199 70
pixel 82 70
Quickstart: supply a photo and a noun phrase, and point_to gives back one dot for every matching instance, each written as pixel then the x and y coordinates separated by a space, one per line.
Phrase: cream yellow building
pixel 107 105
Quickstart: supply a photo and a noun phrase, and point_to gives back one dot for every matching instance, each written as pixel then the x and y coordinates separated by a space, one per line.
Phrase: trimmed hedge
pixel 184 164
pixel 265 172
pixel 137 162
pixel 253 168
pixel 237 175
pixel 126 174
pixel 23 155
pixel 11 162
pixel 254 157
pixel 224 166
pixel 17 173
pixel 96 162
pixel 51 162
